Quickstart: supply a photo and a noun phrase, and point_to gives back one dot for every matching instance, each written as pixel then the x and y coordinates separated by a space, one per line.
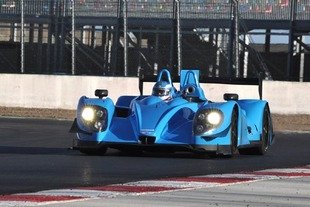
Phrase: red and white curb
pixel 149 186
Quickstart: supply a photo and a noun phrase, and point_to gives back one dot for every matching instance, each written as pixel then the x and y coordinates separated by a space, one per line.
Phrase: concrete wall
pixel 52 91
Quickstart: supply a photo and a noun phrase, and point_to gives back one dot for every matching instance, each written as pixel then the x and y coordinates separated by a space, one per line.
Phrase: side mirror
pixel 230 96
pixel 100 93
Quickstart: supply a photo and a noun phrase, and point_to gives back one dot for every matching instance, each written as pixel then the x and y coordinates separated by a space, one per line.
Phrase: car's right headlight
pixel 206 120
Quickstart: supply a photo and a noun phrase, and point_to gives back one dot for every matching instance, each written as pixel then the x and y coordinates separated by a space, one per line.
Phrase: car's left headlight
pixel 88 114
pixel 207 119
pixel 94 118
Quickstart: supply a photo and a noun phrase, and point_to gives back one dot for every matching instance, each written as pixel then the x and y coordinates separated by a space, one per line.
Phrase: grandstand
pixel 208 29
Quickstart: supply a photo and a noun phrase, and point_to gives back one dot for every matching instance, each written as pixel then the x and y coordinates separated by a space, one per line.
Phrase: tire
pixel 234 133
pixel 264 142
pixel 93 152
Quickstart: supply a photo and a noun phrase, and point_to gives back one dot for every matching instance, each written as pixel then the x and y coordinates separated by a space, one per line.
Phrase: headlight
pixel 94 118
pixel 214 118
pixel 99 113
pixel 88 114
pixel 206 120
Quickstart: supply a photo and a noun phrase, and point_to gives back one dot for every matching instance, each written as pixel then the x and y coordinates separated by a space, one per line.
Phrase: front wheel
pixel 234 133
pixel 266 130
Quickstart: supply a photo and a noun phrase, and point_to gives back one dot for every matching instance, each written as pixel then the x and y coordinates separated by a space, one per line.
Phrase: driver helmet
pixel 163 90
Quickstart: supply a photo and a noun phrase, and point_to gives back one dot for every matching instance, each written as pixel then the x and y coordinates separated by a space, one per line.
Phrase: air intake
pixel 147 140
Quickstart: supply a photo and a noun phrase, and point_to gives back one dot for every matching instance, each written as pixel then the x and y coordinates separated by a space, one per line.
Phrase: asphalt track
pixel 34 156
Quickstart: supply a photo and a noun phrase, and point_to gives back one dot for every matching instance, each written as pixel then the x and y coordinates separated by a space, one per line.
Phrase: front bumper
pixel 217 149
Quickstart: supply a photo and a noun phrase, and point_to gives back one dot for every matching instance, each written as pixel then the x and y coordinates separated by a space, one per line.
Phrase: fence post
pixel 179 36
pixel 125 38
pixel 236 21
pixel 291 41
pixel 231 40
pixel 73 38
pixel 22 55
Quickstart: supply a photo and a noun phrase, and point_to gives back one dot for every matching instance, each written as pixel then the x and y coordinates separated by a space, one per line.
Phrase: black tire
pixel 264 143
pixel 94 152
pixel 234 133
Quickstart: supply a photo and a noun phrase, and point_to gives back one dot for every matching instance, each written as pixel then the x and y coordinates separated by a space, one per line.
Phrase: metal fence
pixel 97 8
pixel 194 9
pixel 108 37
pixel 31 7
pixel 211 9
pixel 150 9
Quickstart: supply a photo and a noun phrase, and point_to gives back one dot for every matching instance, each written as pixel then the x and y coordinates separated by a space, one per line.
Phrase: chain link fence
pixel 119 37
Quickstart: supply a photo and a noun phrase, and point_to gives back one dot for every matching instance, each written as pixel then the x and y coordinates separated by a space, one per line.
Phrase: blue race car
pixel 174 120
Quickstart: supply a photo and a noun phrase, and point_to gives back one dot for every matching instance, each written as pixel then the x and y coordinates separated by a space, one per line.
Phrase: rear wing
pixel 205 79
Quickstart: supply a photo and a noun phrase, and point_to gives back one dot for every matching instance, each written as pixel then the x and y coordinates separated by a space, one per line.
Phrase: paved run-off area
pixel 298 122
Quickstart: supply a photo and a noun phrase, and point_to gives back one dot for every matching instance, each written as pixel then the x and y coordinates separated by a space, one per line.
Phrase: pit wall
pixel 63 92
